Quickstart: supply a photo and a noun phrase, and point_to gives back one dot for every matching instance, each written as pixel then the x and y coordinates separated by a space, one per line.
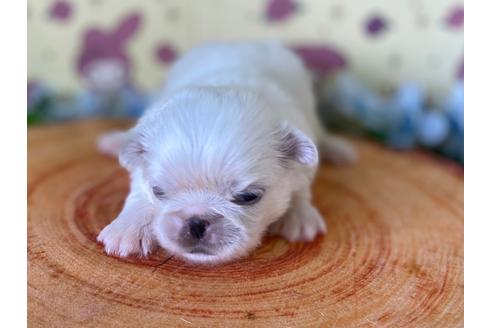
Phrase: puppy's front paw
pixel 122 239
pixel 301 223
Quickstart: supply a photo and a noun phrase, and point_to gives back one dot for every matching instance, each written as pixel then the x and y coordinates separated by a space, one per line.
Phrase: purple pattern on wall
pixel 375 25
pixel 31 88
pixel 320 59
pixel 61 10
pixel 456 17
pixel 461 69
pixel 103 43
pixel 165 53
pixel 280 10
pixel 99 44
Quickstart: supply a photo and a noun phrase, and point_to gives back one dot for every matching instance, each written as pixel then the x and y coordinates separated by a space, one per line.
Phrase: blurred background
pixel 392 70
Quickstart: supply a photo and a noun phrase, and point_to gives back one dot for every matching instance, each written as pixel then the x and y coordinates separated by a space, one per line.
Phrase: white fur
pixel 231 116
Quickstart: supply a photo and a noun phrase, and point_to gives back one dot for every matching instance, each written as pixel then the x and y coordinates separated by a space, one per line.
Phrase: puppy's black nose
pixel 197 227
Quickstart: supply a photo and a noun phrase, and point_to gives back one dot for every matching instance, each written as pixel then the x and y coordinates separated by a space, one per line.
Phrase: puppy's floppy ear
pixel 294 145
pixel 133 152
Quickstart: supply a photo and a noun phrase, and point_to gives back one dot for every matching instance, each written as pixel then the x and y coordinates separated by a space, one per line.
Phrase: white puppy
pixel 227 151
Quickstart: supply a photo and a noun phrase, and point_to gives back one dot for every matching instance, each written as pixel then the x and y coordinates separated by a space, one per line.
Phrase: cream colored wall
pixel 417 46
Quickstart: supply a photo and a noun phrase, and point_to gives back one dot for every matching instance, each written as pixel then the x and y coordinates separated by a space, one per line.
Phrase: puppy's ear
pixel 296 146
pixel 133 152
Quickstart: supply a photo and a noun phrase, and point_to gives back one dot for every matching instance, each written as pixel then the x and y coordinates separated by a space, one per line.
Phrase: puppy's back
pixel 267 67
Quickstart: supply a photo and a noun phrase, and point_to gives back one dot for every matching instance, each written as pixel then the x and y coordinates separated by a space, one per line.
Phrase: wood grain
pixel 393 256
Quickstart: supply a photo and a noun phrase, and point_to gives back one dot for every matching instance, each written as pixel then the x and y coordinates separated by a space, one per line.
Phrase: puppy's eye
pixel 158 192
pixel 247 197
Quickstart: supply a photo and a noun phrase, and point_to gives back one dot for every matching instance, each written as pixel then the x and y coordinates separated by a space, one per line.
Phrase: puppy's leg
pixel 302 221
pixel 336 150
pixel 130 233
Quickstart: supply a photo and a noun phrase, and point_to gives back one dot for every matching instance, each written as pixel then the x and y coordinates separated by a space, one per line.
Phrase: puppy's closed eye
pixel 248 197
pixel 158 192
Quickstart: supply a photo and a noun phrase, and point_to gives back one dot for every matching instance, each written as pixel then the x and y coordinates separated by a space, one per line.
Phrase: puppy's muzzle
pixel 199 232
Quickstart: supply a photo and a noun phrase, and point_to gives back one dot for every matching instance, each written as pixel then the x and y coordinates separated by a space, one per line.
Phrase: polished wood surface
pixel 393 255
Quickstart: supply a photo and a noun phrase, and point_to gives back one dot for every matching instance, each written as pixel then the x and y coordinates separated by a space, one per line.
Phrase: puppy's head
pixel 218 168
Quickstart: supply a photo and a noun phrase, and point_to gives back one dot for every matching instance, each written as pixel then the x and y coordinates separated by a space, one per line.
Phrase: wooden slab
pixel 393 256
